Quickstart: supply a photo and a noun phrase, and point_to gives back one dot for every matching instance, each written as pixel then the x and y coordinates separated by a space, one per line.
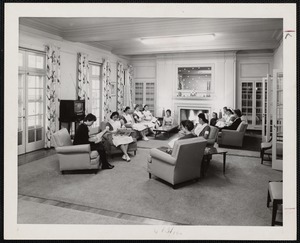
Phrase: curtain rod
pixel 92 62
pixel 32 50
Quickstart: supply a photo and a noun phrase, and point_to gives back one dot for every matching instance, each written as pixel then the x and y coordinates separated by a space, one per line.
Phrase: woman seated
pixel 236 122
pixel 167 120
pixel 130 122
pixel 186 128
pixel 214 119
pixel 226 120
pixel 118 138
pixel 202 129
pixel 148 117
pixel 82 137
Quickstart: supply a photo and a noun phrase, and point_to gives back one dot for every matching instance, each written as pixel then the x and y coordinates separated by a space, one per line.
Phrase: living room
pixel 108 63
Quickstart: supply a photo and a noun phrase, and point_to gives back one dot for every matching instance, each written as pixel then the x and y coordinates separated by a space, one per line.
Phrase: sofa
pixel 184 164
pixel 233 137
pixel 110 149
pixel 74 157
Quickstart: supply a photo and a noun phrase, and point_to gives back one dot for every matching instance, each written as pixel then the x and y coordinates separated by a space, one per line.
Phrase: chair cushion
pixel 94 154
pixel 275 190
pixel 265 145
pixel 62 138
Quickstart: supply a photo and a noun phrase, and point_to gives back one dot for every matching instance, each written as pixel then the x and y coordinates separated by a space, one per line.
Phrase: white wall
pixel 165 73
pixel 36 40
pixel 278 57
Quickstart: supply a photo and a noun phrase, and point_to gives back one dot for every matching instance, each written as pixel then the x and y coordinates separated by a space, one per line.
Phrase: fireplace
pixel 190 112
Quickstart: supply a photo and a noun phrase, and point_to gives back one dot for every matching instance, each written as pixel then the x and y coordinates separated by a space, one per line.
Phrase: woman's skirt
pixel 121 139
pixel 138 127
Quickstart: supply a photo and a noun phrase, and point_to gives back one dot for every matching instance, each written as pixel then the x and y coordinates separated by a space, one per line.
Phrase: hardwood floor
pixel 35 155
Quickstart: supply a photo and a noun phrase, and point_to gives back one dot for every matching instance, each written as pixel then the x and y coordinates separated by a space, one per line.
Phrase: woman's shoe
pixel 128 159
pixel 145 139
pixel 124 157
pixel 107 167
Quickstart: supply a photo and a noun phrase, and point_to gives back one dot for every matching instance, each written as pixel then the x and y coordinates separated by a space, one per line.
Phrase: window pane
pixel 31 94
pixel 40 82
pixel 39 136
pixel 39 121
pixel 39 62
pixel 35 61
pixel 31 82
pixel 31 135
pixel 31 108
pixel 21 64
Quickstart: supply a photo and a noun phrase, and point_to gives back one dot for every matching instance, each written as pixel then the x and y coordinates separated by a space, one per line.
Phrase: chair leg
pixel 262 156
pixel 274 212
pixel 149 175
pixel 135 153
pixel 269 199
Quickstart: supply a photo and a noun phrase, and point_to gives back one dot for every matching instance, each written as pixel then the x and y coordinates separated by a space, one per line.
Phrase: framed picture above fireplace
pixel 195 81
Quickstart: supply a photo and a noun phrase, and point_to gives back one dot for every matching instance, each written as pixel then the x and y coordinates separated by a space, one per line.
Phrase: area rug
pixel 236 198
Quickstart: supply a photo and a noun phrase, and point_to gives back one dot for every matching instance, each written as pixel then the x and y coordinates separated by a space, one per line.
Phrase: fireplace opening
pixel 192 114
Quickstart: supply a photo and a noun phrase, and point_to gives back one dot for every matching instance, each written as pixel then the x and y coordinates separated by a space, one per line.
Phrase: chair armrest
pixel 83 148
pixel 162 156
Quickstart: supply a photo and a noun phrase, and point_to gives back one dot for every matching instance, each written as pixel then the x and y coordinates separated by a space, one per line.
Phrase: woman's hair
pixel 189 125
pixel 225 108
pixel 202 116
pixel 126 108
pixel 231 111
pixel 113 114
pixel 90 117
pixel 169 111
pixel 137 105
pixel 215 114
pixel 238 112
pixel 145 106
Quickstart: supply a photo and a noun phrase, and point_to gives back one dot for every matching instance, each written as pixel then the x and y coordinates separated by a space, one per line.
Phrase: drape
pixel 128 87
pixel 106 70
pixel 52 92
pixel 83 83
pixel 120 86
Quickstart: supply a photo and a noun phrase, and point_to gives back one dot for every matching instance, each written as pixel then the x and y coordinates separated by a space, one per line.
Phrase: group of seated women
pixel 230 120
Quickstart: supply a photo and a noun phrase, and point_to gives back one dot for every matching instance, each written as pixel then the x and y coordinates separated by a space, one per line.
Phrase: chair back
pixel 213 135
pixel 103 125
pixel 242 127
pixel 62 138
pixel 191 149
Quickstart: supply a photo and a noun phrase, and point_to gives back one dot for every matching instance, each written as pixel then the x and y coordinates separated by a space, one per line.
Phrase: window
pixel 96 92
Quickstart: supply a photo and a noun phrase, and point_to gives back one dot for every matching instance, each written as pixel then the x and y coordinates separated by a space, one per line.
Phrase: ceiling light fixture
pixel 177 39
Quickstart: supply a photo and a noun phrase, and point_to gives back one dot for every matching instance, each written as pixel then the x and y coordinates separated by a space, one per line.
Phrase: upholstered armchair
pixel 74 157
pixel 233 137
pixel 212 137
pixel 182 165
pixel 110 148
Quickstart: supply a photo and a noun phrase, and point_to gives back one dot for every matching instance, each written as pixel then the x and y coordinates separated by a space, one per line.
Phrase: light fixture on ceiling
pixel 179 39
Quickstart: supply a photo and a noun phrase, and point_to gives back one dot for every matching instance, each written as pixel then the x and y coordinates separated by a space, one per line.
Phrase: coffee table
pixel 209 152
pixel 165 129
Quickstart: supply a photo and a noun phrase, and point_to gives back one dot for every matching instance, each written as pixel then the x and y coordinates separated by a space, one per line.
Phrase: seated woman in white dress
pixel 202 129
pixel 119 139
pixel 139 118
pixel 129 122
pixel 149 118
pixel 168 119
pixel 227 121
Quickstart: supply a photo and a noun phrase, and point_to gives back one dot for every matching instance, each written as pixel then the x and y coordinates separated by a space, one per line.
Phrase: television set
pixel 71 110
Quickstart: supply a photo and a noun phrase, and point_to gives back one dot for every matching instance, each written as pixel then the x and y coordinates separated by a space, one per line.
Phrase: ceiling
pixel 122 36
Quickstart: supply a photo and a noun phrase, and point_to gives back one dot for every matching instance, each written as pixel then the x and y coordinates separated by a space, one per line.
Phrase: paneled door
pixel 267 108
pixel 277 135
pixel 145 94
pixel 31 101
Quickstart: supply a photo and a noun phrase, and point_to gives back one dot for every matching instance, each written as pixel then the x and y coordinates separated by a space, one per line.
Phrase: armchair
pixel 74 157
pixel 212 137
pixel 182 165
pixel 233 137
pixel 110 148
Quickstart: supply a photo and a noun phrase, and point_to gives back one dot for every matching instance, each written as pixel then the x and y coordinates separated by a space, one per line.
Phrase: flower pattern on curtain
pixel 120 86
pixel 106 70
pixel 130 77
pixel 52 92
pixel 83 84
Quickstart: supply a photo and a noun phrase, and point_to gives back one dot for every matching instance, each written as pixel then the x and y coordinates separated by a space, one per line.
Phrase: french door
pixel 277 136
pixel 31 101
pixel 267 108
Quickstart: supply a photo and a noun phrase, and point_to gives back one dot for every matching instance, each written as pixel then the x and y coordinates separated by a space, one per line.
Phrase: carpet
pixel 236 198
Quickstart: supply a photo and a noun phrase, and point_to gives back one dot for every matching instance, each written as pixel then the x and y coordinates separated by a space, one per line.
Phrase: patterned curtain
pixel 106 70
pixel 52 92
pixel 83 84
pixel 120 87
pixel 130 83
